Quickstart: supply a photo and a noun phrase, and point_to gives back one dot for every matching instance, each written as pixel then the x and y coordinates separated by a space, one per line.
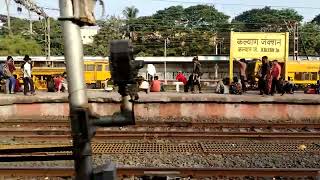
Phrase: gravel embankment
pixel 284 160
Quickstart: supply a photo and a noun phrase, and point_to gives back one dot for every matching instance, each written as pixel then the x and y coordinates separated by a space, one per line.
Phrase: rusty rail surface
pixel 178 172
pixel 64 134
pixel 66 123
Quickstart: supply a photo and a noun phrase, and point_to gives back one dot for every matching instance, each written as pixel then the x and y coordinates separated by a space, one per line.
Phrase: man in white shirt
pixel 27 79
pixel 151 70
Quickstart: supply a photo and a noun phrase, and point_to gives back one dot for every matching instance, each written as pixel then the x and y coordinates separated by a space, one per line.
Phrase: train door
pixel 89 73
pixel 99 75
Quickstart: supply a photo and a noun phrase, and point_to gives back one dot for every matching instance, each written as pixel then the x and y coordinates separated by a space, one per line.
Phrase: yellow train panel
pixel 302 72
pixel 95 72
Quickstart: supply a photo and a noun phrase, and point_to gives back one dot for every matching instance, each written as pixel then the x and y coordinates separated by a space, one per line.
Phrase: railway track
pixel 66 124
pixel 173 172
pixel 63 133
pixel 203 147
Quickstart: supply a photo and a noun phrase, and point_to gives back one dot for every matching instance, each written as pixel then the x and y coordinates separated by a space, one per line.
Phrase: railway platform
pixel 175 132
pixel 168 106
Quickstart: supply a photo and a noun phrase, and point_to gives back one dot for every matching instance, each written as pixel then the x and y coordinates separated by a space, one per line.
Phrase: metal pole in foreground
pixel 77 93
pixel 49 38
pixel 8 16
pixel 165 61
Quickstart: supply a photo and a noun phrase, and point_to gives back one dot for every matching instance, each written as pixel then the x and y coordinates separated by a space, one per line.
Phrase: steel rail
pixel 66 123
pixel 64 134
pixel 178 172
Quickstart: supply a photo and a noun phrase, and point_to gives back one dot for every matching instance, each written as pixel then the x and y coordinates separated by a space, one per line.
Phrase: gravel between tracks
pixel 289 160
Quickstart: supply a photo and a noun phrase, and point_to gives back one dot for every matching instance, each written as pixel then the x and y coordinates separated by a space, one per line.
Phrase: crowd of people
pixel 269 79
pixel 10 80
pixel 11 83
pixel 153 84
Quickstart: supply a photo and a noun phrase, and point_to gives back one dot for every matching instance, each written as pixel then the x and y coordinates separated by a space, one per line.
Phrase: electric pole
pixel 8 16
pixel 30 21
pixel 294 29
pixel 165 60
pixel 295 41
pixel 48 38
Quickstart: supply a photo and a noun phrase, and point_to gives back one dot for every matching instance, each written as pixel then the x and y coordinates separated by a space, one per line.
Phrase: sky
pixel 308 8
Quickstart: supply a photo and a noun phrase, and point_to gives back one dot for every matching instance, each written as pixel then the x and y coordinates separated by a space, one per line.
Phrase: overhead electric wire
pixel 237 4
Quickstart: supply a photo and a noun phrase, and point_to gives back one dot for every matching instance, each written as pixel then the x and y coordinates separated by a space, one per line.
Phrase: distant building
pixel 87 34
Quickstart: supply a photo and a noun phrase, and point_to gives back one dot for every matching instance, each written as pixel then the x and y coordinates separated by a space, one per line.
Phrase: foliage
pixel 110 29
pixel 316 19
pixel 310 36
pixel 20 27
pixel 202 17
pixel 189 31
pixel 17 45
pixel 194 30
pixel 265 19
pixel 130 12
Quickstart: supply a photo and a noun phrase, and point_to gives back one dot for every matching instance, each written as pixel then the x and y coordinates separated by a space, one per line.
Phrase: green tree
pixel 18 46
pixel 316 19
pixel 310 37
pixel 110 29
pixel 205 17
pixel 265 19
pixel 20 27
pixel 190 31
pixel 130 12
pixel 202 17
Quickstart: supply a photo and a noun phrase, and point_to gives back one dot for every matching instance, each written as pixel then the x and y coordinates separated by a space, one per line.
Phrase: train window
pixel 99 68
pixel 306 76
pixel 106 67
pixel 90 67
pixel 59 64
pixel 298 76
pixel 314 76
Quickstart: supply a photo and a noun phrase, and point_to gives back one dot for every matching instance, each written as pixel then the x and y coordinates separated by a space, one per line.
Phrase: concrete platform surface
pixel 113 97
pixel 169 106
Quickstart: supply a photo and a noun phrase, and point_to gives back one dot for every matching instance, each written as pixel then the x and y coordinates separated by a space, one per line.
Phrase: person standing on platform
pixel 27 78
pixel 243 74
pixel 269 79
pixel 265 69
pixel 196 74
pixel 276 74
pixel 8 70
pixel 151 72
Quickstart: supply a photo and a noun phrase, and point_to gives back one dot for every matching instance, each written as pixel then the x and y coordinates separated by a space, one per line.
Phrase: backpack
pixel 6 71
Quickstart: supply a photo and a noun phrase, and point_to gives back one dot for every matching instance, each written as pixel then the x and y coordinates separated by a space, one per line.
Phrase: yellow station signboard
pixel 254 45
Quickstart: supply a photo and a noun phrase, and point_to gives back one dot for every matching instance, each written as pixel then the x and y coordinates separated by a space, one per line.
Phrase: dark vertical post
pixel 78 101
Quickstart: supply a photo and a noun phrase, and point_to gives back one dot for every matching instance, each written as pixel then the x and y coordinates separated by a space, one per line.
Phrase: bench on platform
pixel 205 85
pixel 178 84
